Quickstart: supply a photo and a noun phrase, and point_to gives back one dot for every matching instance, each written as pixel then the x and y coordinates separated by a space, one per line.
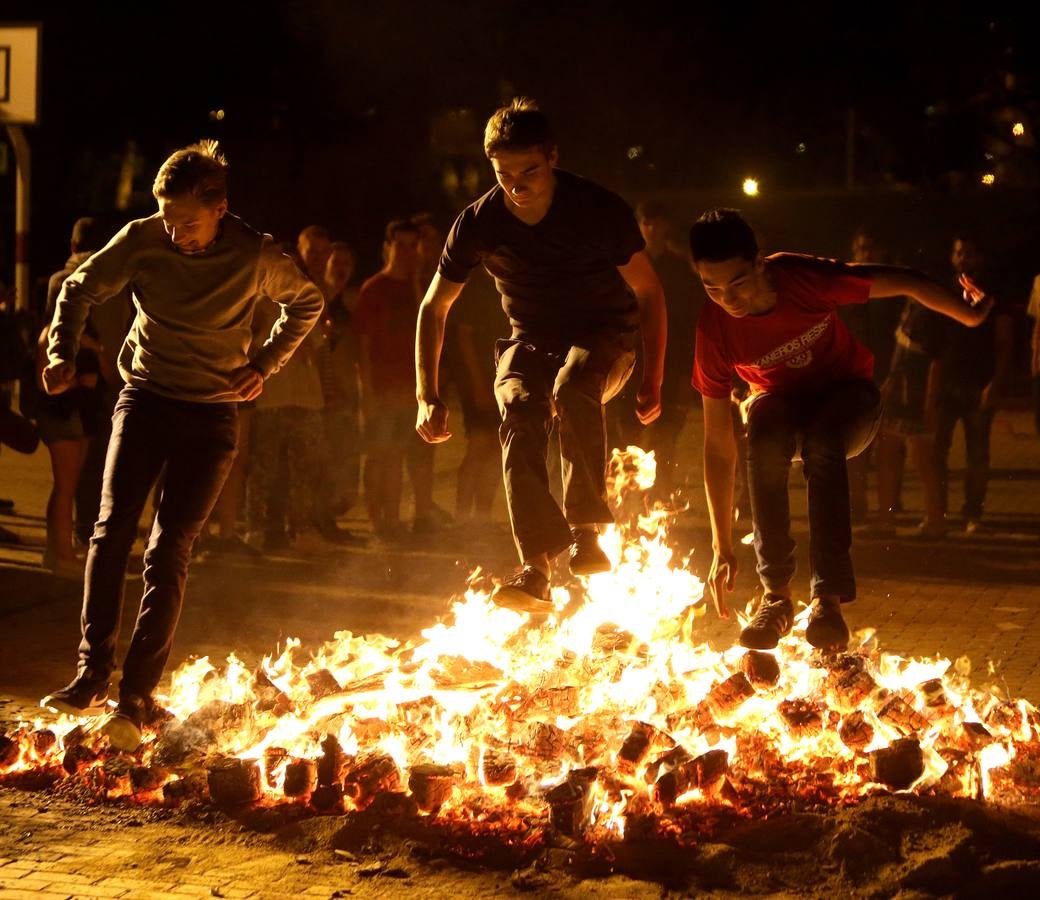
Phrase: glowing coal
pixel 610 718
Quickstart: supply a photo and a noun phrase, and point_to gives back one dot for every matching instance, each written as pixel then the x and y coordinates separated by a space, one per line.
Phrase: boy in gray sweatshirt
pixel 195 272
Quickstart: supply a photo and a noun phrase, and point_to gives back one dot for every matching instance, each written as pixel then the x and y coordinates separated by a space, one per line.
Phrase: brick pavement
pixel 973 596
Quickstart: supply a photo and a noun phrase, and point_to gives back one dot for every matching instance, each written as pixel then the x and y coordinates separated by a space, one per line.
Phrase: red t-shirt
pixel 800 343
pixel 385 314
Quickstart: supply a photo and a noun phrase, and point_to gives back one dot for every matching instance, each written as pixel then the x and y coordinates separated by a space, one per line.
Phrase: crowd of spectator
pixel 334 430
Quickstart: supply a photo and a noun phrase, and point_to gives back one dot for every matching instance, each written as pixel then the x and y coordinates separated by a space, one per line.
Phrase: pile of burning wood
pixel 608 720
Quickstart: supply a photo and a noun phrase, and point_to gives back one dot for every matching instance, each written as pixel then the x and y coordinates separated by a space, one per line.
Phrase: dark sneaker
pixel 524 591
pixel 124 728
pixel 827 629
pixel 587 557
pixel 85 695
pixel 773 620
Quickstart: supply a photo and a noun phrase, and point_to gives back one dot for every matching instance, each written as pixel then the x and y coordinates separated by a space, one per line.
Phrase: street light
pixel 751 187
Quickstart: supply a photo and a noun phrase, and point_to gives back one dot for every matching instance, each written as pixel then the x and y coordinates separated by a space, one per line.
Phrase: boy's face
pixel 964 257
pixel 525 175
pixel 315 252
pixel 190 223
pixel 864 250
pixel 403 251
pixel 734 284
pixel 654 230
pixel 340 268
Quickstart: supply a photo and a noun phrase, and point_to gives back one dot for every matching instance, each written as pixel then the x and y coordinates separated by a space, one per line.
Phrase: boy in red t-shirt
pixel 773 322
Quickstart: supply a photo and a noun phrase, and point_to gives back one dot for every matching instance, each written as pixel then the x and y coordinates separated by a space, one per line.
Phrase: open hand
pixel 722 579
pixel 979 303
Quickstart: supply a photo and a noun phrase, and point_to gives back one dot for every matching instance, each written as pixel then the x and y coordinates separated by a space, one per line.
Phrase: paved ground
pixel 971 596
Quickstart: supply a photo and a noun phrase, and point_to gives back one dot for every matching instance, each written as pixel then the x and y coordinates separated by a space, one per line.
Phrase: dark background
pixel 348 113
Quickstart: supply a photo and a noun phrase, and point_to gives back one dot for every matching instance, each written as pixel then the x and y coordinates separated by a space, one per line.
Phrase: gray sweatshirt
pixel 194 313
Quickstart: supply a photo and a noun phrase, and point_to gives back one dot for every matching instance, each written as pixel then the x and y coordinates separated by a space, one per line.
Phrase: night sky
pixel 328 105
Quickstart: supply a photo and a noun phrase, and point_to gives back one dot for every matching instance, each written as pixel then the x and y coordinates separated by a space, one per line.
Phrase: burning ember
pixel 609 720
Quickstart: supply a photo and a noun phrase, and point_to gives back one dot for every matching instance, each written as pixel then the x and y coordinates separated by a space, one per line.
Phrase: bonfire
pixel 607 721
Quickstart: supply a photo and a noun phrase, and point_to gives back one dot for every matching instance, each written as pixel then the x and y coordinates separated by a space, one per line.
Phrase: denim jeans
pixel 826 426
pixel 196 443
pixel 533 382
pixel 963 404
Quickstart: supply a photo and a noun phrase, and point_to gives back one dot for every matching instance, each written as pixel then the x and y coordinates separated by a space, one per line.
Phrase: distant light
pixel 751 187
pixel 801 148
pixel 216 115
pixel 1018 129
pixel 989 178
pixel 635 152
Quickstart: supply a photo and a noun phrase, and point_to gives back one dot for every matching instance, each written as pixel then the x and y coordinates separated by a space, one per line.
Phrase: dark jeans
pixel 574 381
pixel 962 404
pixel 196 442
pixel 827 427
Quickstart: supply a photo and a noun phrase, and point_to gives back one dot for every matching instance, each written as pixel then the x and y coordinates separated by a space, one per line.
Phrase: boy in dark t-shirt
pixel 773 322
pixel 568 259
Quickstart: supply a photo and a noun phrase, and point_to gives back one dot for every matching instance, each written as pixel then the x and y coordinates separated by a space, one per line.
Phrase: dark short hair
pixel 967 236
pixel 199 170
pixel 88 235
pixel 400 226
pixel 721 234
pixel 519 126
pixel 653 209
pixel 314 233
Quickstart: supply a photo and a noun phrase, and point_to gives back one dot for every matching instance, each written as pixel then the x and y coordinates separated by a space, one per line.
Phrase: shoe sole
pixel 826 638
pixel 590 569
pixel 66 708
pixel 520 601
pixel 122 734
pixel 757 641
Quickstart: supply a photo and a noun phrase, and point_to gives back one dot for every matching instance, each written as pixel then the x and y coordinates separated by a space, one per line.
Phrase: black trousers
pixel 196 442
pixel 827 426
pixel 964 404
pixel 536 380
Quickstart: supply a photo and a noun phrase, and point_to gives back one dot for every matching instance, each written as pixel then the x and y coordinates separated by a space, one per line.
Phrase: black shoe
pixel 130 717
pixel 827 629
pixel 85 695
pixel 773 620
pixel 524 591
pixel 587 557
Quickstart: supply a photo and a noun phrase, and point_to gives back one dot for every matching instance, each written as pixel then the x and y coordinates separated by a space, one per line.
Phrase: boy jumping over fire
pixel 773 322
pixel 196 273
pixel 576 283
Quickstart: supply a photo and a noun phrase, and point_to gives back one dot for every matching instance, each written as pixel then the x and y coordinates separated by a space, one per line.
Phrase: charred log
pixel 431 785
pixel 760 668
pixel 234 782
pixel 899 765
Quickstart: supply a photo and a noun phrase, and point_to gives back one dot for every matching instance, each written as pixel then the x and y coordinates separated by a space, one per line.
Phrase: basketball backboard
pixel 19 72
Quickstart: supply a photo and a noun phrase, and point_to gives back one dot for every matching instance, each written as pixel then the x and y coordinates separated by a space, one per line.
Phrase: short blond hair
pixel 199 170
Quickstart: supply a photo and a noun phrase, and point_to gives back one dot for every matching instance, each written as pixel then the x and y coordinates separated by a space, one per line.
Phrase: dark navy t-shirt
pixel 559 277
